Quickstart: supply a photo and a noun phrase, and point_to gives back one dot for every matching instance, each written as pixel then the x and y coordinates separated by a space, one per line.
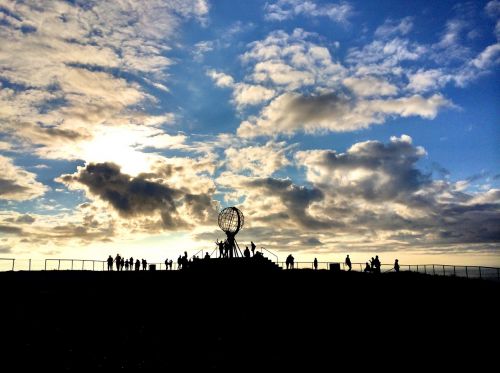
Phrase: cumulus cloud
pixel 144 195
pixel 373 196
pixel 370 86
pixel 18 184
pixel 380 188
pixel 291 61
pixel 286 203
pixel 293 112
pixel 258 160
pixel 243 94
pixel 370 169
pixel 286 9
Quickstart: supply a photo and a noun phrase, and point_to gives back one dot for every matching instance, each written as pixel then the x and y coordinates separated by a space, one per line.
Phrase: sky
pixel 337 128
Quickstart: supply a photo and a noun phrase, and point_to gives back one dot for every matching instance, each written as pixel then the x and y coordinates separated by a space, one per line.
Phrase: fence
pixel 482 272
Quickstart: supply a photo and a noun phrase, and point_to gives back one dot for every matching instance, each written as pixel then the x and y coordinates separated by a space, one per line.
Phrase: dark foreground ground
pixel 240 321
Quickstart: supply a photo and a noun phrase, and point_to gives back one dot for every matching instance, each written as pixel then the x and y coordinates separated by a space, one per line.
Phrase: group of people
pixel 373 266
pixel 227 248
pixel 127 264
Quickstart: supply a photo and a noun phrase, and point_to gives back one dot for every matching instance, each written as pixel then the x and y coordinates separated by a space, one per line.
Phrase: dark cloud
pixel 387 170
pixel 297 199
pixel 129 196
pixel 26 219
pixel 11 187
pixel 138 196
pixel 7 229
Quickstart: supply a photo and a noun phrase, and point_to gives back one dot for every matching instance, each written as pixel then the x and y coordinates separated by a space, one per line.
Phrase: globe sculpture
pixel 231 221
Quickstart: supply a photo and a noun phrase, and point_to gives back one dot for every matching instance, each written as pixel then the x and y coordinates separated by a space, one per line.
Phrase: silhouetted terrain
pixel 241 320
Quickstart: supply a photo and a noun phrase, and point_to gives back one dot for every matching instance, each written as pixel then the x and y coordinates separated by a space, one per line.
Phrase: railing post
pixel 417 269
pixel 83 264
pixel 45 264
pixel 466 272
pixel 425 268
pixel 103 266
pixel 444 272
pixel 433 270
pixel 58 264
pixel 498 274
pixel 480 272
pixel 30 265
pixel 93 265
pixel 13 263
pixel 454 271
pixel 71 264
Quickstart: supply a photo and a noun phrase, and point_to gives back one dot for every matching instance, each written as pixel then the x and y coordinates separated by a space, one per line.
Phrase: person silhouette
pixel 368 268
pixel 137 265
pixel 253 248
pixel 220 244
pixel 246 253
pixel 110 263
pixel 207 255
pixel 396 265
pixel 166 264
pixel 315 264
pixel 118 261
pixel 376 264
pixel 144 264
pixel 131 262
pixel 348 262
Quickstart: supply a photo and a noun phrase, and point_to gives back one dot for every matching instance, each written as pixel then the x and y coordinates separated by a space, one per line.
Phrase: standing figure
pixel 315 264
pixel 220 244
pixel 396 265
pixel 253 247
pixel 110 263
pixel 348 262
pixel 118 261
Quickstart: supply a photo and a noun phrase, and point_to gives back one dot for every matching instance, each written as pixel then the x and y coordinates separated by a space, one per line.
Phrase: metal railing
pixel 480 272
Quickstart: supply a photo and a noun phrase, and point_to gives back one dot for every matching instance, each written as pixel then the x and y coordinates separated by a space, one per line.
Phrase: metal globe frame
pixel 231 221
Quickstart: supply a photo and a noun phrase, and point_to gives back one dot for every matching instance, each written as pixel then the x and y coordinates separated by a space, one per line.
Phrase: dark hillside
pixel 241 320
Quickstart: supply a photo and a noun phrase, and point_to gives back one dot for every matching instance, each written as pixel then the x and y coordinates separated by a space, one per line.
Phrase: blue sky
pixel 334 126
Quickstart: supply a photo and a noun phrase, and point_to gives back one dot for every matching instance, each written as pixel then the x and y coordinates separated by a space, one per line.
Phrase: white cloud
pixel 291 61
pixel 370 86
pixel 287 9
pixel 293 112
pixel 18 184
pixel 426 80
pixel 243 94
pixel 488 57
pixel 248 94
pixel 258 160
pixel 221 80
pixel 391 27
pixel 63 74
